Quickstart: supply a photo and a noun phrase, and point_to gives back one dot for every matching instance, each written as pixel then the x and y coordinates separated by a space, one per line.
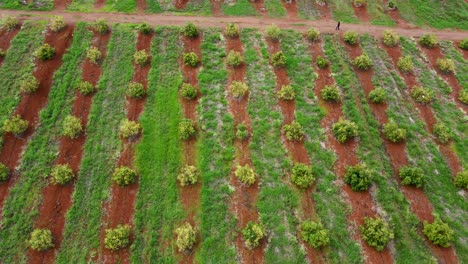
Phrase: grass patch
pixel 376 11
pixel 125 6
pixel 275 8
pixel 239 8
pixel 306 10
pixel 42 5
pixel 343 11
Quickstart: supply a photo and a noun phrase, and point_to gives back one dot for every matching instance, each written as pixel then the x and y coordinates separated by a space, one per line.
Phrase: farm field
pixel 135 143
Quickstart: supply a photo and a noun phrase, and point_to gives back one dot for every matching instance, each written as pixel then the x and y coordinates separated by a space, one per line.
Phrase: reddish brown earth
pixel 141 6
pixel 324 10
pixel 361 13
pixel 291 9
pixel 180 4
pixel 463 52
pixel 216 7
pixel 61 4
pixel 5 39
pixel 361 202
pixel 259 5
pixel 99 4
pixel 395 15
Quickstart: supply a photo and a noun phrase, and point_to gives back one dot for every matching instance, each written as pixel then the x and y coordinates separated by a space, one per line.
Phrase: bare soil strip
pixel 180 4
pixel 259 5
pixel 5 39
pixel 61 4
pixel 216 7
pixel 291 8
pixel 395 15
pixel 325 12
pixel 463 52
pixel 361 13
pixel 99 4
pixel 141 6
pixel 361 202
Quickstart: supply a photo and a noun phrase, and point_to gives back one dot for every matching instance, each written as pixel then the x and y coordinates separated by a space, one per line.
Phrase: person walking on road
pixel 338 26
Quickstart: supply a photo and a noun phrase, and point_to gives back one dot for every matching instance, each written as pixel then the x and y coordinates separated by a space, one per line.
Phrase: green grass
pixel 343 11
pixel 125 6
pixel 158 155
pixel 376 11
pixel 83 222
pixel 306 10
pixel 21 207
pixel 196 7
pixel 239 8
pixel 461 65
pixel 81 5
pixel 42 5
pixel 275 8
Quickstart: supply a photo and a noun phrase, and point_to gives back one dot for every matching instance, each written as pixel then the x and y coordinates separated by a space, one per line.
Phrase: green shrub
pixel 242 132
pixel 313 35
pixel 286 93
pixel 330 93
pixel 186 129
pixel 188 91
pixel 391 4
pixel 72 126
pixel 191 59
pixel 123 176
pixel 350 37
pixel 405 64
pixel 238 89
pixel 343 130
pixel 390 38
pixel 253 233
pixel 10 23
pixel 57 23
pixel 278 60
pixel 439 233
pixel 129 129
pixel 321 62
pixel 145 28
pixel 378 95
pixel 94 55
pixel 429 40
pixel 190 30
pixel 412 176
pixel 232 30
pixel 376 232
pixel 422 95
pixel 461 179
pixel 186 237
pixel 86 88
pixel 445 65
pixel 273 32
pixel 302 175
pixel 45 52
pixel 41 239
pixel 2 53
pixel 463 44
pixel 101 26
pixel 245 174
pixel 314 234
pixel 4 172
pixel 359 177
pixel 363 62
pixel 234 59
pixel 359 3
pixel 29 84
pixel 141 57
pixel 117 238
pixel 442 133
pixel 463 96
pixel 393 133
pixel 188 175
pixel 293 131
pixel 136 90
pixel 61 174
pixel 15 125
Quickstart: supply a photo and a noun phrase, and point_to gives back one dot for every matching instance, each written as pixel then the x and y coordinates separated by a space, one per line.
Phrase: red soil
pixel 61 4
pixel 291 9
pixel 99 4
pixel 141 6
pixel 216 7
pixel 463 52
pixel 361 13
pixel 395 15
pixel 325 13
pixel 5 39
pixel 259 5
pixel 180 4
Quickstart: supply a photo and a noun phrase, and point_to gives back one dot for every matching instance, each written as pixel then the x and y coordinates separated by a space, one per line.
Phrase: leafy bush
pixel 186 237
pixel 439 233
pixel 190 30
pixel 278 60
pixel 10 23
pixel 124 176
pixel 61 174
pixel 45 52
pixel 117 238
pixel 188 91
pixel 29 84
pixel 422 95
pixel 463 44
pixel 390 38
pixel 191 59
pixel 245 174
pixel 145 28
pixel 412 176
pixel 294 131
pixel 302 175
pixel 286 93
pixel 273 32
pixel 321 62
pixel 15 125
pixel 253 233
pixel 330 93
pixel 101 26
pixel 129 129
pixel 57 23
pixel 141 57
pixel 314 234
pixel 188 175
pixel 72 126
pixel 463 96
pixel 391 4
pixel 445 65
pixel 405 64
pixel 242 132
pixel 136 90
pixel 238 89
pixel 4 172
pixel 313 34
pixel 393 133
pixel 363 62
pixel 461 179
pixel 94 55
pixel 41 239
pixel 359 3
pixel 442 132
pixel 232 30
pixel 186 129
pixel 376 232
pixel 343 130
pixel 429 40
pixel 350 37
pixel 378 95
pixel 235 59
pixel 359 177
pixel 86 88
